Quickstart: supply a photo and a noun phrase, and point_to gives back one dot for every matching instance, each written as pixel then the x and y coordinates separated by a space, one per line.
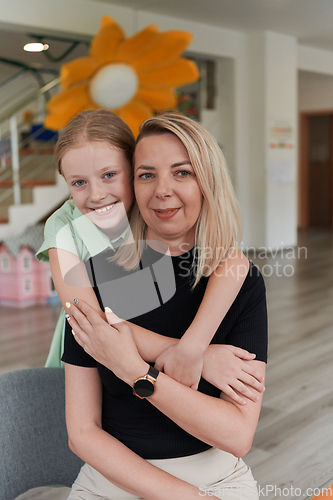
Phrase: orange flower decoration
pixel 131 76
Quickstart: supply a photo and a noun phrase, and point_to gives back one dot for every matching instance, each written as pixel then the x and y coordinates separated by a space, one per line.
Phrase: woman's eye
pixel 109 175
pixel 78 183
pixel 146 176
pixel 183 173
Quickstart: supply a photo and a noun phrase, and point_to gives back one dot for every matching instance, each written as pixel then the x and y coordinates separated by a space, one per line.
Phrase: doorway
pixel 316 170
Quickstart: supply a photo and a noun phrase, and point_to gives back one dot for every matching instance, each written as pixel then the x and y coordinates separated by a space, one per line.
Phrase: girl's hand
pixel 182 363
pixel 110 345
pixel 230 369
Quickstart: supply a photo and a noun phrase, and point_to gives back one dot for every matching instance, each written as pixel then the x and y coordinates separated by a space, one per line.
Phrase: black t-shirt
pixel 172 306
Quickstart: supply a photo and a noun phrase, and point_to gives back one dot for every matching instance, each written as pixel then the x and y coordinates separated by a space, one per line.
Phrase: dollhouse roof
pixel 32 238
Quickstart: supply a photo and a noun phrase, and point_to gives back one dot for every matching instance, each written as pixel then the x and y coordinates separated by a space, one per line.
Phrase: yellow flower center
pixel 114 85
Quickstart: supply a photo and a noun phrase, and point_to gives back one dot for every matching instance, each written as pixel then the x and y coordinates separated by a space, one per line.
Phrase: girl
pixel 94 155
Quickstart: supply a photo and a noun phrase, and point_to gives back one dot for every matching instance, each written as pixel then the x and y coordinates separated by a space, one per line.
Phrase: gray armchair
pixel 33 438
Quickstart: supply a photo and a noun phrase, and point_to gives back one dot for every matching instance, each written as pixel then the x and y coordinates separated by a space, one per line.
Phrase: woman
pixel 176 442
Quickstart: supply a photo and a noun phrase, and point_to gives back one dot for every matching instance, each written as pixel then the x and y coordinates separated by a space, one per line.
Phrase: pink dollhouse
pixel 24 281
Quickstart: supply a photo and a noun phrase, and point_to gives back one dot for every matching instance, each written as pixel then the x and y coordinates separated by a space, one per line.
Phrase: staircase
pixel 30 187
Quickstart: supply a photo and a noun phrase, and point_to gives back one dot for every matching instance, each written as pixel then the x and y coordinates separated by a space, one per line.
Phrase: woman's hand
pixel 110 345
pixel 231 369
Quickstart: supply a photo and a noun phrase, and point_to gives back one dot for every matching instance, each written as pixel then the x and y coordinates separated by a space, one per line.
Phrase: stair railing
pixel 10 123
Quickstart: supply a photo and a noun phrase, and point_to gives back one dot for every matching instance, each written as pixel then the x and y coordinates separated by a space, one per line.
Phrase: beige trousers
pixel 216 473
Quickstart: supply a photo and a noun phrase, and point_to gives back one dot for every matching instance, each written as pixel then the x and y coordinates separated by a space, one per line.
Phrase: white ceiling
pixel 311 21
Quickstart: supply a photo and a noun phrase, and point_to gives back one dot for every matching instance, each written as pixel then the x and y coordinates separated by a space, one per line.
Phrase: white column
pixel 272 109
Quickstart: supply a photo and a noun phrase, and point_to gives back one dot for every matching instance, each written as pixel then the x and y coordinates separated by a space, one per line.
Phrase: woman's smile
pixel 166 213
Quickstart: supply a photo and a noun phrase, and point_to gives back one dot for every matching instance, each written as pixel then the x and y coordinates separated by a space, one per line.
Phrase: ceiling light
pixel 35 47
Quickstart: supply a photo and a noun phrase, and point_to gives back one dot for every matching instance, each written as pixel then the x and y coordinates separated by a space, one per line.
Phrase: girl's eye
pixel 146 176
pixel 109 175
pixel 78 183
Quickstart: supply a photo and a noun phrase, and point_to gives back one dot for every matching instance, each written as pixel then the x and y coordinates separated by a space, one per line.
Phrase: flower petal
pixel 160 100
pixel 134 114
pixel 78 70
pixel 167 47
pixel 103 45
pixel 176 74
pixel 137 44
pixel 66 97
pixel 67 104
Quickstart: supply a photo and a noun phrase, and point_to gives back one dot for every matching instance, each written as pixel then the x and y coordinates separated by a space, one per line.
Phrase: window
pixel 26 262
pixel 5 263
pixel 28 286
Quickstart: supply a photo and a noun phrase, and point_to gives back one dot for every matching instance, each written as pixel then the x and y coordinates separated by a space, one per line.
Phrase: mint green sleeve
pixel 58 233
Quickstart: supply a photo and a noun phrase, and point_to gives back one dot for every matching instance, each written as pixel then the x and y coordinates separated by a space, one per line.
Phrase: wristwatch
pixel 144 386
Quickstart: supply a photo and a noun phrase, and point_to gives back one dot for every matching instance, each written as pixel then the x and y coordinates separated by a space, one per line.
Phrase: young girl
pixel 94 155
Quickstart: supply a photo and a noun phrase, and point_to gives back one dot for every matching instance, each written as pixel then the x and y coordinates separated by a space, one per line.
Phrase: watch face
pixel 144 388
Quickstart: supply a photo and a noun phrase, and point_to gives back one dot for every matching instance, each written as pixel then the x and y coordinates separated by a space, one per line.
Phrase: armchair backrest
pixel 33 437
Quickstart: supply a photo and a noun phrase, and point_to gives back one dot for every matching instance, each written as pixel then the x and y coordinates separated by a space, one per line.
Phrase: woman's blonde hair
pixel 95 125
pixel 218 228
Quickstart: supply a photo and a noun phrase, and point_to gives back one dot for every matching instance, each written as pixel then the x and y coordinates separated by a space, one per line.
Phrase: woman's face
pixel 99 179
pixel 166 189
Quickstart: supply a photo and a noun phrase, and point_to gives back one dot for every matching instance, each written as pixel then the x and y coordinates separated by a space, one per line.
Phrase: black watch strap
pixel 152 372
pixel 144 386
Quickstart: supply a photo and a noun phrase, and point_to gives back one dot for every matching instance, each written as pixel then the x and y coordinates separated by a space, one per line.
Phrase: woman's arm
pixel 218 422
pixel 184 361
pixel 106 454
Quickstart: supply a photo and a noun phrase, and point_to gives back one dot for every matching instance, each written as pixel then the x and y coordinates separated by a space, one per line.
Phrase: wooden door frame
pixel 304 164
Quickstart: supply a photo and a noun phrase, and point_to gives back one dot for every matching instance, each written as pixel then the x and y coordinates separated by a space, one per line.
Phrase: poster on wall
pixel 282 137
pixel 188 103
pixel 281 134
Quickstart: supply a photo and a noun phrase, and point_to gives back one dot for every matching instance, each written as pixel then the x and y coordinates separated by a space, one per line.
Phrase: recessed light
pixel 35 47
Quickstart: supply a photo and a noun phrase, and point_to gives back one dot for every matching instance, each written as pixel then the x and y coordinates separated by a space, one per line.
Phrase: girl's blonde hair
pixel 95 125
pixel 218 228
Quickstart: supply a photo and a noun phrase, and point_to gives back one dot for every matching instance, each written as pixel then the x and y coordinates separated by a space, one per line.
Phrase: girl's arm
pixel 184 360
pixel 219 422
pixel 150 345
pixel 106 454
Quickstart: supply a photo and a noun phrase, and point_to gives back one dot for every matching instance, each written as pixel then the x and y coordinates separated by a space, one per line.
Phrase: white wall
pixel 315 91
pixel 315 60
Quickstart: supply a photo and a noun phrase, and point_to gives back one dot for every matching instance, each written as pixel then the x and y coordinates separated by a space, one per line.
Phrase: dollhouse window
pixel 5 264
pixel 27 262
pixel 27 286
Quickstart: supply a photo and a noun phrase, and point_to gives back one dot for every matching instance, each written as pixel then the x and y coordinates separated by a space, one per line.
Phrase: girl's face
pixel 99 179
pixel 166 189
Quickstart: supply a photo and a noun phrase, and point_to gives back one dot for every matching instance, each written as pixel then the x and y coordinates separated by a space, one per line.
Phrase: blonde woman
pixel 170 442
